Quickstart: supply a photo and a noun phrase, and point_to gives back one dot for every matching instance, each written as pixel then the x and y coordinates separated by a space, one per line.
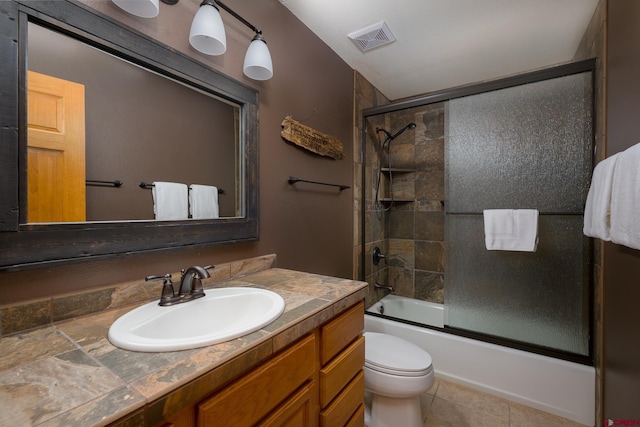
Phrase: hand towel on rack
pixel 511 229
pixel 203 201
pixel 170 201
pixel 597 210
pixel 625 199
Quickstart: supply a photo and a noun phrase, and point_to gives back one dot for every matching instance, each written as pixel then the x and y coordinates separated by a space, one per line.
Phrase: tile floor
pixel 448 404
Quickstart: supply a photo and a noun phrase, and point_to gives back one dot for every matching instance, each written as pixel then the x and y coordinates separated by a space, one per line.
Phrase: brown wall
pixel 308 227
pixel 622 265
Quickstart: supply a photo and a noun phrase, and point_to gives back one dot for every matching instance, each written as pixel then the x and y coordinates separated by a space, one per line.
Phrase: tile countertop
pixel 69 374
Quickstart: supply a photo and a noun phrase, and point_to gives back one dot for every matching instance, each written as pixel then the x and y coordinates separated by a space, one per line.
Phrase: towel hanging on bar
pixel 170 200
pixel 203 202
pixel 511 229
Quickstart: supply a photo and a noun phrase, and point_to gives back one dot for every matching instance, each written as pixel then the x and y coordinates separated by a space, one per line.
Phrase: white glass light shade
pixel 141 8
pixel 207 31
pixel 257 61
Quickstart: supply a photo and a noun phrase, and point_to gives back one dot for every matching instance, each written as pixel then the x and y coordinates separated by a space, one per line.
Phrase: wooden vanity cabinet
pixel 341 376
pixel 317 381
pixel 254 396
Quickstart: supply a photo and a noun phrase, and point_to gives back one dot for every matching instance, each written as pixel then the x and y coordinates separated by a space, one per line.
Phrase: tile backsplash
pixel 28 315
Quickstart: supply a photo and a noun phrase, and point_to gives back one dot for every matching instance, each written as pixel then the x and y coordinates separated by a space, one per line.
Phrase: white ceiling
pixel 446 43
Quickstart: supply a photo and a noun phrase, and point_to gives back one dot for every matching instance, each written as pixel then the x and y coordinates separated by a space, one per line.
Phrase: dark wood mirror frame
pixel 25 246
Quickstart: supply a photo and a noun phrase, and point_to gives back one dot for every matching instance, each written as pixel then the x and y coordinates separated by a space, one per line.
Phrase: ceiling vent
pixel 373 36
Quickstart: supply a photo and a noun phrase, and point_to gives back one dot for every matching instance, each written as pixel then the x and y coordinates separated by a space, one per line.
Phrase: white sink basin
pixel 222 315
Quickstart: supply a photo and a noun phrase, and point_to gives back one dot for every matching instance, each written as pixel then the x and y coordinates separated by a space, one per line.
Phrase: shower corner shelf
pixel 401 199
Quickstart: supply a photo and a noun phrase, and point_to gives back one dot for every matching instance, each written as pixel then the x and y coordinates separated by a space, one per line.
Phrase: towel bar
pixel 292 180
pixel 146 185
pixel 540 213
pixel 116 183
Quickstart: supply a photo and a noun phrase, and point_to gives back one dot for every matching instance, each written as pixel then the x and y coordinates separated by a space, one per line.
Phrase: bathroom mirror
pixel 139 127
pixel 222 128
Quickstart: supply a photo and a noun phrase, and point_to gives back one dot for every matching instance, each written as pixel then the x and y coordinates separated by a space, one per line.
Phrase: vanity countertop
pixel 69 374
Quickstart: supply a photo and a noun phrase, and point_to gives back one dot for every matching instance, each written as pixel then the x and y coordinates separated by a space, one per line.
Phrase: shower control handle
pixel 378 255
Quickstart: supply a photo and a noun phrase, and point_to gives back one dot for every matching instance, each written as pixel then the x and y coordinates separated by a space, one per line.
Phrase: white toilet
pixel 396 372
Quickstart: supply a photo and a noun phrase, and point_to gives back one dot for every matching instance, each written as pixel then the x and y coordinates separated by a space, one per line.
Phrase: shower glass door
pixel 523 147
pixel 523 142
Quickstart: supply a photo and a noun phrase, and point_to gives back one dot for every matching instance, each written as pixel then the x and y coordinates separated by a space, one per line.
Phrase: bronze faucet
pixel 190 285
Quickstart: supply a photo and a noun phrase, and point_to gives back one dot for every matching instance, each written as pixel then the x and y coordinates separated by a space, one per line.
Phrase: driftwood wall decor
pixel 311 139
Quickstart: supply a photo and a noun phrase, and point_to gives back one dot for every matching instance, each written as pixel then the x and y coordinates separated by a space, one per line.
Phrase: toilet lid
pixel 393 355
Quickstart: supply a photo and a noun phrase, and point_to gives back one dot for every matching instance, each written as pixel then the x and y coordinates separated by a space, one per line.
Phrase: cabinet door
pixel 251 398
pixel 297 411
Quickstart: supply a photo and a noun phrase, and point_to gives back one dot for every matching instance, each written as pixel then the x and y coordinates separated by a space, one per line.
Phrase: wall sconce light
pixel 141 8
pixel 207 33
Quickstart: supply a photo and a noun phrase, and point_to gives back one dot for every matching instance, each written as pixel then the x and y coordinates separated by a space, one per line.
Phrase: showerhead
pixel 391 137
pixel 409 126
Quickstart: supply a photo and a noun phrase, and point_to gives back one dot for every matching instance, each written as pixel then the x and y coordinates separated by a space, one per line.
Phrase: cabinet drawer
pixel 340 411
pixel 338 333
pixel 337 374
pixel 357 420
pixel 262 389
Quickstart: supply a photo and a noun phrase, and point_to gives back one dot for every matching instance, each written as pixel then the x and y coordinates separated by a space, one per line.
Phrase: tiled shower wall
pixel 365 96
pixel 411 233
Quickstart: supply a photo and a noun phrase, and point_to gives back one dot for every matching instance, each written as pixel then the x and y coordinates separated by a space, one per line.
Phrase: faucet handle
pixel 168 292
pixel 197 291
pixel 158 277
pixel 378 255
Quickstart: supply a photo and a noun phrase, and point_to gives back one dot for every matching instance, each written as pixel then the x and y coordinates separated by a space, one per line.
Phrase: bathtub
pixel 427 313
pixel 555 386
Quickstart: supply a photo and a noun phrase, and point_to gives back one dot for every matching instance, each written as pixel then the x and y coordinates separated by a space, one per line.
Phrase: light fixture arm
pixel 207 35
pixel 216 3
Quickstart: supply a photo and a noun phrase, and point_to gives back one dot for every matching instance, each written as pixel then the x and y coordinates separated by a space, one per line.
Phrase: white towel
pixel 170 201
pixel 625 199
pixel 597 210
pixel 511 229
pixel 203 201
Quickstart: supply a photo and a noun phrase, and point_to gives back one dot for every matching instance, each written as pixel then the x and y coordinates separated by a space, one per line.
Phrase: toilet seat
pixel 395 356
